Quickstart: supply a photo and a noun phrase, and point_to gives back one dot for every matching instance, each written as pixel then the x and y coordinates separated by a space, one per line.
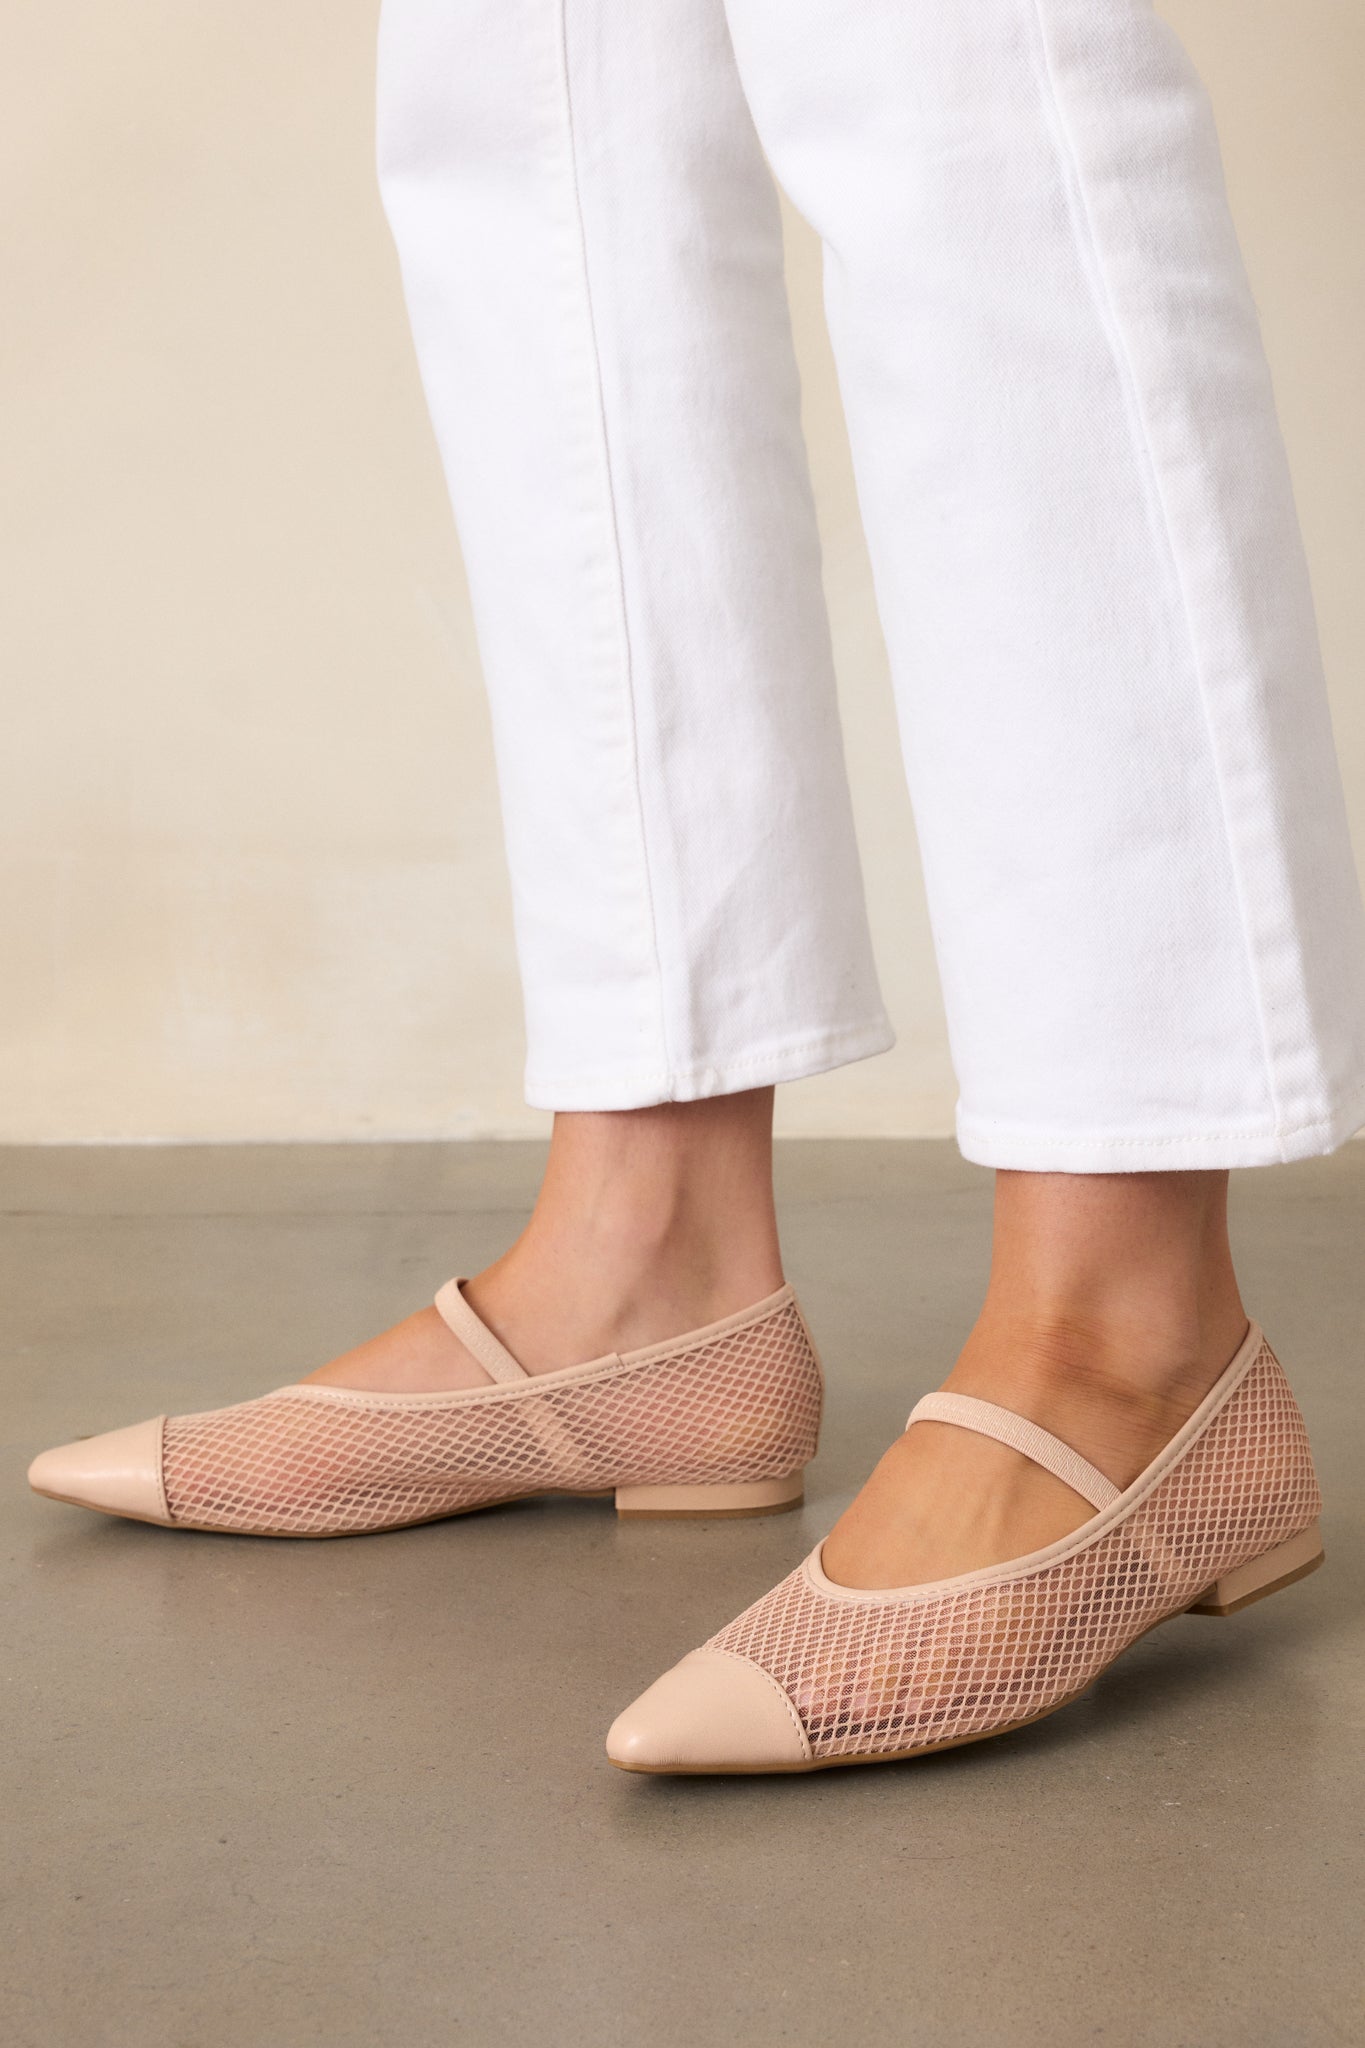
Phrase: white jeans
pixel 1086 554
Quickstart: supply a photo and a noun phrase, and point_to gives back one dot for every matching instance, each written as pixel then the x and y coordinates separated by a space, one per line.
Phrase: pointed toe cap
pixel 119 1473
pixel 714 1712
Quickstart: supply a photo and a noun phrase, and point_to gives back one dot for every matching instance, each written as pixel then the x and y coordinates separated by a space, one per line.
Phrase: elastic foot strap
pixel 496 1360
pixel 1008 1428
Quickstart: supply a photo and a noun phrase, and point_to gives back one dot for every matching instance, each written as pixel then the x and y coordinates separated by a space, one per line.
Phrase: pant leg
pixel 1089 571
pixel 591 250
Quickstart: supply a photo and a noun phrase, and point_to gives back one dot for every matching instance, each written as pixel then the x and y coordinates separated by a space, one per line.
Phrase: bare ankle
pixel 1153 1369
pixel 649 1222
pixel 1130 1258
pixel 1112 1304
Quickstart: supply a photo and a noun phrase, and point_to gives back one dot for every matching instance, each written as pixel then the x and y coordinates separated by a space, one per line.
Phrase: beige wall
pixel 250 876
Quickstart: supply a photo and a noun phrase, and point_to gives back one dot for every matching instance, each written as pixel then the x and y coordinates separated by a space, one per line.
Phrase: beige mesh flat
pixel 721 1421
pixel 816 1674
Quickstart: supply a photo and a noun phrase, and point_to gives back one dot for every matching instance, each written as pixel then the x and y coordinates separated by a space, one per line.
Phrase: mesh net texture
pixel 870 1677
pixel 316 1461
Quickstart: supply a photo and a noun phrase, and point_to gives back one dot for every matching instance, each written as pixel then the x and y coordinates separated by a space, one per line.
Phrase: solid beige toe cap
pixel 712 1712
pixel 119 1473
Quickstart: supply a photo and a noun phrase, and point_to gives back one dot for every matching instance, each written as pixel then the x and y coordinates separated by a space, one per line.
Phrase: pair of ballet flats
pixel 723 1421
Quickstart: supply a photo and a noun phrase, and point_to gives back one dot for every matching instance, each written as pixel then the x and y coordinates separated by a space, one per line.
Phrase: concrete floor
pixel 353 1793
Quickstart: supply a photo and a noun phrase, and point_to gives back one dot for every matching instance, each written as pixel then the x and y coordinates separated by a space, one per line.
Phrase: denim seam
pixel 613 523
pixel 1088 248
pixel 878 1034
pixel 970 1120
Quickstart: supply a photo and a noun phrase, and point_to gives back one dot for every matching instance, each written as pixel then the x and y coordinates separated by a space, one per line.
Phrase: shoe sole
pixel 1244 1594
pixel 744 1501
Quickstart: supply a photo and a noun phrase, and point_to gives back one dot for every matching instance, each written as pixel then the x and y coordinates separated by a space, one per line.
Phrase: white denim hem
pixel 1015 1147
pixel 791 1060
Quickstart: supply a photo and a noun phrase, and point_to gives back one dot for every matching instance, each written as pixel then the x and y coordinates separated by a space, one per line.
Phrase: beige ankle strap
pixel 496 1360
pixel 1008 1428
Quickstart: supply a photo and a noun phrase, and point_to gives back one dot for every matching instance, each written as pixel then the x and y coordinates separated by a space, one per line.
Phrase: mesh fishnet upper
pixel 869 1676
pixel 313 1461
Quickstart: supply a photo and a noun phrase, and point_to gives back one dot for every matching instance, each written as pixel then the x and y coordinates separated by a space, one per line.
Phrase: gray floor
pixel 348 1793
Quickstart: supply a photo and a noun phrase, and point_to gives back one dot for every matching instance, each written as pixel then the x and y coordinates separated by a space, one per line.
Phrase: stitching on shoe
pixel 735 1657
pixel 160 1463
pixel 758 1312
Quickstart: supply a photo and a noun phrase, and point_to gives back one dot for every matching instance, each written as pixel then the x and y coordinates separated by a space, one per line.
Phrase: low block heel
pixel 752 1497
pixel 1289 1561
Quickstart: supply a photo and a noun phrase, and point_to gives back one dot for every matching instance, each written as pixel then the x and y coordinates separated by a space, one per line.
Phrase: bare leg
pixel 649 1223
pixel 1111 1309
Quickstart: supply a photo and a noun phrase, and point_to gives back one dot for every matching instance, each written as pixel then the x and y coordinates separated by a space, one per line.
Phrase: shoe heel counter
pixel 811 1374
pixel 778 1398
pixel 1296 1472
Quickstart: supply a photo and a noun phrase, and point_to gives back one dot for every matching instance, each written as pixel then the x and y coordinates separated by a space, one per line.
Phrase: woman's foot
pixel 649 1223
pixel 1112 1312
pixel 651 1262
pixel 718 1420
pixel 817 1673
pixel 1112 1309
